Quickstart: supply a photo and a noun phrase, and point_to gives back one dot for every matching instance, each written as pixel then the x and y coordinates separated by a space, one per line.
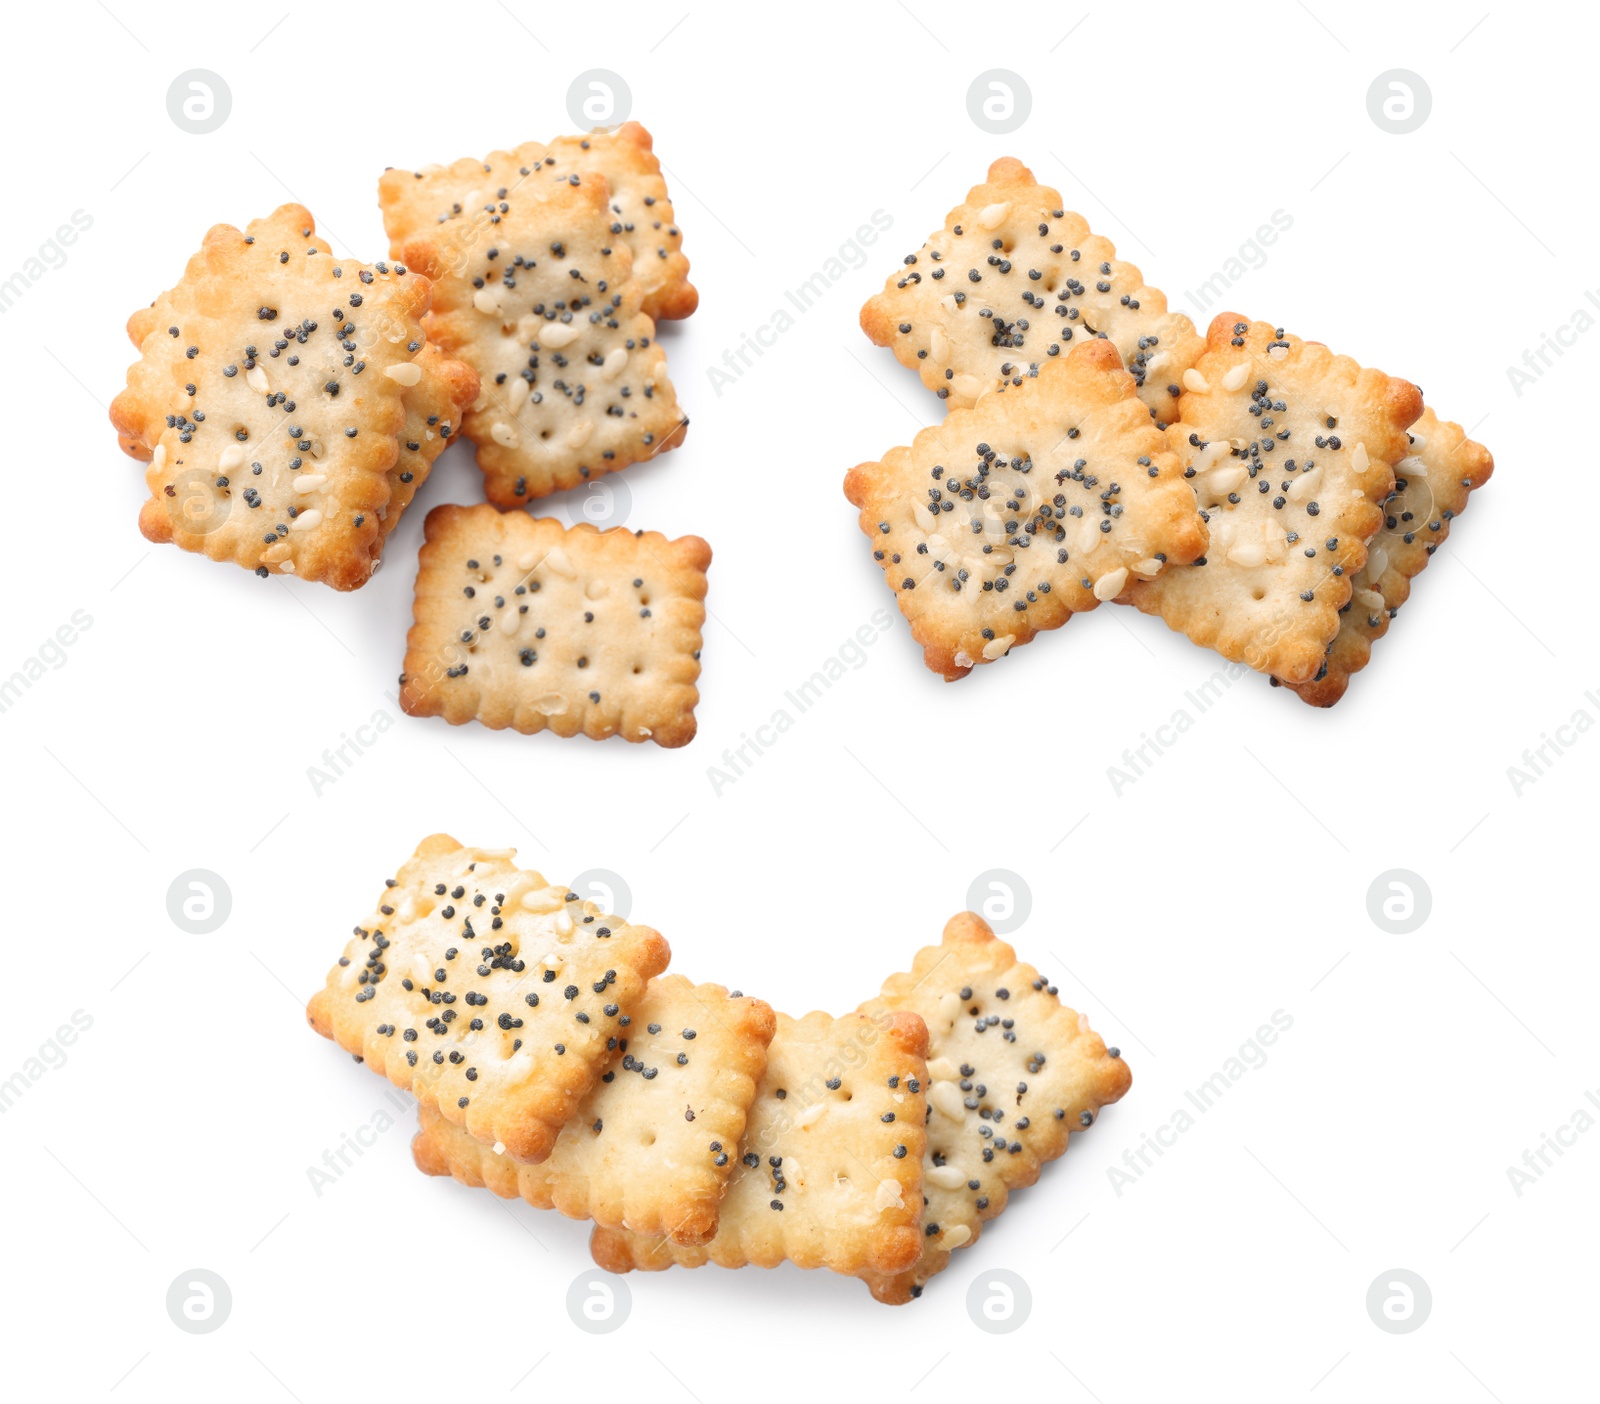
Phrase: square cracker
pixel 433 411
pixel 542 305
pixel 1014 280
pixel 490 994
pixel 524 623
pixel 830 1173
pixel 275 400
pixel 651 1147
pixel 1432 484
pixel 1291 451
pixel 1015 514
pixel 1012 1073
pixel 471 191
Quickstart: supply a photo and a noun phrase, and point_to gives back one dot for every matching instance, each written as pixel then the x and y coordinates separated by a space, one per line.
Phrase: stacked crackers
pixel 289 404
pixel 1263 496
pixel 554 1060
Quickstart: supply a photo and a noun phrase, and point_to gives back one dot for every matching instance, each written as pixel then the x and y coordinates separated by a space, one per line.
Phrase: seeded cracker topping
pixel 830 1172
pixel 1012 1073
pixel 286 403
pixel 1432 483
pixel 541 304
pixel 469 191
pixel 1009 517
pixel 523 623
pixel 1291 452
pixel 1013 281
pixel 489 994
pixel 651 1147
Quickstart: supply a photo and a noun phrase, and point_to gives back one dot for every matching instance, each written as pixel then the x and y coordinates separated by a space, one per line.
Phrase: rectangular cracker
pixel 1432 483
pixel 542 305
pixel 650 1149
pixel 1012 1073
pixel 830 1173
pixel 1012 281
pixel 1015 514
pixel 521 622
pixel 485 991
pixel 277 392
pixel 433 412
pixel 468 192
pixel 1291 451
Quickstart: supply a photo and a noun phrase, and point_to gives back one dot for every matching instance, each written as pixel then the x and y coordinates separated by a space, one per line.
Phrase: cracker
pixel 1432 484
pixel 830 1173
pixel 1291 451
pixel 488 993
pixel 469 190
pixel 1027 508
pixel 522 622
pixel 651 1147
pixel 277 392
pixel 1014 280
pixel 1012 1073
pixel 541 304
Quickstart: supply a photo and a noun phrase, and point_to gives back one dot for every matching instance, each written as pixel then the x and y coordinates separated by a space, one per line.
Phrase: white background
pixel 1229 882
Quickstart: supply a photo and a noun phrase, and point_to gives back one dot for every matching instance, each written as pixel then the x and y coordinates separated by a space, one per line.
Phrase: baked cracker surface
pixel 433 412
pixel 1291 451
pixel 1442 468
pixel 488 993
pixel 521 622
pixel 543 307
pixel 274 384
pixel 1013 515
pixel 830 1172
pixel 650 1149
pixel 1014 280
pixel 470 192
pixel 1012 1073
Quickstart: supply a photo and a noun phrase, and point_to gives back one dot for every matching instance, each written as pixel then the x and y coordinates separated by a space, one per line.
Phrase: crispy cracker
pixel 1012 281
pixel 1291 451
pixel 651 1147
pixel 831 1168
pixel 1432 484
pixel 541 304
pixel 470 191
pixel 276 389
pixel 488 993
pixel 1012 1073
pixel 522 622
pixel 1015 514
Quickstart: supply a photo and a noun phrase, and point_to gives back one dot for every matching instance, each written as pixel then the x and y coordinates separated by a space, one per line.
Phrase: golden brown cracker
pixel 1015 514
pixel 1291 452
pixel 830 1173
pixel 1432 483
pixel 1012 1072
pixel 521 622
pixel 273 387
pixel 650 1149
pixel 1013 281
pixel 470 192
pixel 485 991
pixel 542 305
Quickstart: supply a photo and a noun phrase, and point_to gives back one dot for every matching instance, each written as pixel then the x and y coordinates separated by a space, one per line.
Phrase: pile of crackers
pixel 1264 496
pixel 288 405
pixel 552 1058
